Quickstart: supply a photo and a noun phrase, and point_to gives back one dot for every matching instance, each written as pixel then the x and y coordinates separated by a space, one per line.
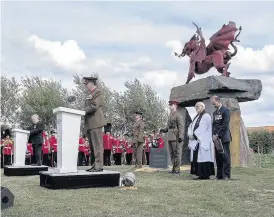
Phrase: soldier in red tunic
pixel 117 150
pixel 128 147
pixel 53 148
pixel 81 151
pixel 87 152
pixel 160 140
pixel 29 154
pixel 45 149
pixel 148 141
pixel 7 148
pixel 107 142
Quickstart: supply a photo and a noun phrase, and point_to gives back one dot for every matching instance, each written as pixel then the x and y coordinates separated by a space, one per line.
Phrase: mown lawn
pixel 158 194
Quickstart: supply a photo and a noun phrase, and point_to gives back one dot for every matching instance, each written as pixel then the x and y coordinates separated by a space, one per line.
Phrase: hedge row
pixel 261 141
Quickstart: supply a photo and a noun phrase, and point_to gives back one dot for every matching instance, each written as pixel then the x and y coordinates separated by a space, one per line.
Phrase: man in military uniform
pixel 174 132
pixel 221 130
pixel 94 122
pixel 138 139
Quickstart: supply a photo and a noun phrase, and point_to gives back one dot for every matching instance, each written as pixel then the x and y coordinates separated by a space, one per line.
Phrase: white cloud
pixel 68 55
pixel 160 78
pixel 99 26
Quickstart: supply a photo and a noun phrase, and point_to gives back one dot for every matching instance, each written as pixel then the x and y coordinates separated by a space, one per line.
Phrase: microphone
pixel 71 99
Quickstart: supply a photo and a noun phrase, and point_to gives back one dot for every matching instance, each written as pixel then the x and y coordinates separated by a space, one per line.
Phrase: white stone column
pixel 20 146
pixel 68 131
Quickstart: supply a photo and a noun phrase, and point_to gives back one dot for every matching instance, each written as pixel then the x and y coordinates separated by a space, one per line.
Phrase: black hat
pixel 7 132
pixel 171 102
pixel 86 79
pixel 107 128
pixel 52 132
pixel 138 113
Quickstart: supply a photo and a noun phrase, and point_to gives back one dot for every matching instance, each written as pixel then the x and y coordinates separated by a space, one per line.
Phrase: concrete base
pixel 27 170
pixel 82 179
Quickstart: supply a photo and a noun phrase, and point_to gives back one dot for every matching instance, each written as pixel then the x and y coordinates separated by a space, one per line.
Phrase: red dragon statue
pixel 215 54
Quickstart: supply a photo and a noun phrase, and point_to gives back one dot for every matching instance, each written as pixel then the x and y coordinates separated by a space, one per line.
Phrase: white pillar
pixel 68 131
pixel 20 146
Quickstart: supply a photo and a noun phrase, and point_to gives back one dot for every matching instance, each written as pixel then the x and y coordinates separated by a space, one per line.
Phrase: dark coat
pixel 221 120
pixel 36 133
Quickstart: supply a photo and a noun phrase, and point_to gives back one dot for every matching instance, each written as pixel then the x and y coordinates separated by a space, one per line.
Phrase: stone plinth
pixel 240 89
pixel 232 91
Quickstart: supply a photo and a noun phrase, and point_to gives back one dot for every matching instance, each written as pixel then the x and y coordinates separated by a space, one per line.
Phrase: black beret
pixel 138 113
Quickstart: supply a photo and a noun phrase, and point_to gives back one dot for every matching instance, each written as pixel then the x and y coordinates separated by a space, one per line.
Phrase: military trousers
pixel 95 138
pixel 175 150
pixel 138 154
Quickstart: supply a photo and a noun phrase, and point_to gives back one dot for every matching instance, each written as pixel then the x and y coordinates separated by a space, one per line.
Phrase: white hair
pixel 35 116
pixel 200 104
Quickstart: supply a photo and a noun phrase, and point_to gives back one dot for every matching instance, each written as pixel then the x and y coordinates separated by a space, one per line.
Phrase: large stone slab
pixel 242 90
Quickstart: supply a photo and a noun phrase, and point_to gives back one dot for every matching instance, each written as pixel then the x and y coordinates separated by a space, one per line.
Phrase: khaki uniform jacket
pixel 174 127
pixel 138 132
pixel 94 117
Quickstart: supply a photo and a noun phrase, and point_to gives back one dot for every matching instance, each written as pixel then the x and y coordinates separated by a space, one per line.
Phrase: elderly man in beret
pixel 174 130
pixel 94 122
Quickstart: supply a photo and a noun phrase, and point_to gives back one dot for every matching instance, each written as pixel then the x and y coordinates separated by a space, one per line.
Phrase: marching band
pixel 118 150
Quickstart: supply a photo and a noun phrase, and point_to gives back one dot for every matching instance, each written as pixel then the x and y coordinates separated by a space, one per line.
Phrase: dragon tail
pixel 236 40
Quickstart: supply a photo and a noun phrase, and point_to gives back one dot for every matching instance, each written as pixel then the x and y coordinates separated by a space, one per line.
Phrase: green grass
pixel 264 160
pixel 160 194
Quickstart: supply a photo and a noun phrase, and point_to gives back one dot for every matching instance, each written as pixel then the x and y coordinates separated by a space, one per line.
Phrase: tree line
pixel 262 141
pixel 33 95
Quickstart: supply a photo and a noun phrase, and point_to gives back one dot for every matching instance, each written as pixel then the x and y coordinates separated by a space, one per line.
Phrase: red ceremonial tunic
pixel 147 148
pixel 45 146
pixel 53 143
pixel 107 141
pixel 82 146
pixel 8 146
pixel 129 149
pixel 161 143
pixel 117 146
pixel 29 148
pixel 87 149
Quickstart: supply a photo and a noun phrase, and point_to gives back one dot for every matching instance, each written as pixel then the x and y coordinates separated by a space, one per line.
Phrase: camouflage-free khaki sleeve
pixel 141 131
pixel 180 126
pixel 96 102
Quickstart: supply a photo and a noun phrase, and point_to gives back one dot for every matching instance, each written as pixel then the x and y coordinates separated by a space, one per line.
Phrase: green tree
pixel 41 97
pixel 10 98
pixel 139 97
pixel 262 141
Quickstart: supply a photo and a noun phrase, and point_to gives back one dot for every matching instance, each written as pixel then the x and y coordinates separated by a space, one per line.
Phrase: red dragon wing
pixel 221 39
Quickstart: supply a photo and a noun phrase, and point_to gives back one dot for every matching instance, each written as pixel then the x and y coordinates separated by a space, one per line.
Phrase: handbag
pixel 219 146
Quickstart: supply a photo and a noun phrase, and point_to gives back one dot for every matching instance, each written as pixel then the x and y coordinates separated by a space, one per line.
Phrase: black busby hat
pixel 107 128
pixel 7 132
pixel 52 131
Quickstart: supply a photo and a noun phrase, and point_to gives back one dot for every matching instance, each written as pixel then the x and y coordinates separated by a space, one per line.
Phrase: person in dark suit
pixel 221 130
pixel 36 138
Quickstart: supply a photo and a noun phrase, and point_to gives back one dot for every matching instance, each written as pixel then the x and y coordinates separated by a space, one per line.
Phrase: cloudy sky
pixel 126 40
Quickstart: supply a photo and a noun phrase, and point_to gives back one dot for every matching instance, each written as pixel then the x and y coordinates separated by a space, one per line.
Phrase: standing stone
pixel 186 121
pixel 232 91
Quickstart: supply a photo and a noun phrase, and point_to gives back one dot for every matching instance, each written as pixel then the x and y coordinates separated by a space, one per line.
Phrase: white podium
pixel 20 146
pixel 66 176
pixel 18 168
pixel 68 131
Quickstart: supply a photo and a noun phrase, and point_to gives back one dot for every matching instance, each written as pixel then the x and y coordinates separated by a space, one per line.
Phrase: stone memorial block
pixel 158 158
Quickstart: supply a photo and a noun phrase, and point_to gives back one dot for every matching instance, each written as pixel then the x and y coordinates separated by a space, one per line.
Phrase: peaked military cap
pixel 171 102
pixel 138 113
